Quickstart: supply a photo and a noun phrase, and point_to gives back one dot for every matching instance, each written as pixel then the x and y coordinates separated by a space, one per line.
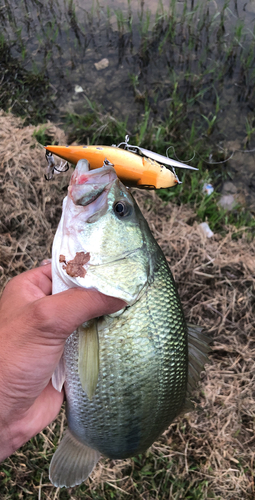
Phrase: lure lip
pixel 166 160
pixel 156 156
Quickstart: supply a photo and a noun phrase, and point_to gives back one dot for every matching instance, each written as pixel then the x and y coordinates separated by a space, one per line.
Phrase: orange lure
pixel 131 168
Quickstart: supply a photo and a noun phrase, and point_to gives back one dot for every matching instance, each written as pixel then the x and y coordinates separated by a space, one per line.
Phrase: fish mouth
pixel 87 185
pixel 85 254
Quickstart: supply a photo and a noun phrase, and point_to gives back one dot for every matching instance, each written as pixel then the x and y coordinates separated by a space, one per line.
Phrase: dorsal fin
pixel 198 348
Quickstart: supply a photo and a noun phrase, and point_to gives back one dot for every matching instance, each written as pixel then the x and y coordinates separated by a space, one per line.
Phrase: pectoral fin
pixel 72 463
pixel 88 362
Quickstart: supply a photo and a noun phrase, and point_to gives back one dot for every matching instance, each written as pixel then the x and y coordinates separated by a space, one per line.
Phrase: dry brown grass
pixel 30 207
pixel 216 281
pixel 206 454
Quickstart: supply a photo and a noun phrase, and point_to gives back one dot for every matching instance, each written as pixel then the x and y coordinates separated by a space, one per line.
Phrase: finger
pixel 59 315
pixel 42 278
pixel 28 287
pixel 44 262
pixel 44 410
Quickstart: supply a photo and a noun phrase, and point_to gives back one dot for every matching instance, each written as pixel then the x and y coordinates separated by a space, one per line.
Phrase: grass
pixel 206 454
pixel 150 474
pixel 197 53
pixel 23 92
pixel 41 134
pixel 96 127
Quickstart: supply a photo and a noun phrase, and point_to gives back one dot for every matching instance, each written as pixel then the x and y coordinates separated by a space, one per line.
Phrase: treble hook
pixel 63 167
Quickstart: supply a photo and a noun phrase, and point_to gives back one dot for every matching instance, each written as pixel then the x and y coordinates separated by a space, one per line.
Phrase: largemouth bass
pixel 126 375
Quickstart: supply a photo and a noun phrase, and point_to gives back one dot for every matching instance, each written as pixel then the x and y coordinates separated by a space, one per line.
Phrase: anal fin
pixel 72 463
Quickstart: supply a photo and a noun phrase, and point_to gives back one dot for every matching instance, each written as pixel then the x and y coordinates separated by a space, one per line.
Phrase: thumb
pixel 57 316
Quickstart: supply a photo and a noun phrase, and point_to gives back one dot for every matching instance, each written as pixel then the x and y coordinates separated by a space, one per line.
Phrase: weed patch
pixel 22 92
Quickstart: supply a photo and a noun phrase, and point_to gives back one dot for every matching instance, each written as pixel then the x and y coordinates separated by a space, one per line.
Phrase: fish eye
pixel 122 209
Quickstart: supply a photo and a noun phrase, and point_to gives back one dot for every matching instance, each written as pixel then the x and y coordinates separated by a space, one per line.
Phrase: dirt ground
pixel 216 282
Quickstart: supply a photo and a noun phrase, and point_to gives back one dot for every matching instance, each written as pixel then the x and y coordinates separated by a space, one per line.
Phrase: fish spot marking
pixel 74 267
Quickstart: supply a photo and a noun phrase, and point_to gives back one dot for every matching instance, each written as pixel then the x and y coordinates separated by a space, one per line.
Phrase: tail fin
pixel 72 463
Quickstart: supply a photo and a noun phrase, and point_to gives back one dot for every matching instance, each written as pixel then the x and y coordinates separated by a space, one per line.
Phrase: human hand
pixel 33 330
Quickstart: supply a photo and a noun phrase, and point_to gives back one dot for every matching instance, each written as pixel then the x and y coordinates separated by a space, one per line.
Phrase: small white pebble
pixel 78 89
pixel 206 230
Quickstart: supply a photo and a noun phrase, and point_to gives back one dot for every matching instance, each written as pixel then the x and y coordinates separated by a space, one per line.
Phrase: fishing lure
pixel 135 166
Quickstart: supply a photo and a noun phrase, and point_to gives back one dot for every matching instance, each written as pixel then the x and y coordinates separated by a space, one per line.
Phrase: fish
pixel 135 166
pixel 126 375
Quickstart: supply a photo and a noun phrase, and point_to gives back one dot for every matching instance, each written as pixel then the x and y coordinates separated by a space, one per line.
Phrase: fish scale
pixel 127 375
pixel 140 383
